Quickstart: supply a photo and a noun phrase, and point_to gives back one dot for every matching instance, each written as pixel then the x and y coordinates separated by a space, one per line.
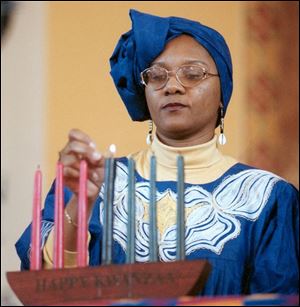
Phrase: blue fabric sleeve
pixel 276 259
pixel 23 244
pixel 96 235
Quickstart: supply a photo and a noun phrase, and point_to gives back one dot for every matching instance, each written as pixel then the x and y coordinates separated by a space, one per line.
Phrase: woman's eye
pixel 193 76
pixel 157 77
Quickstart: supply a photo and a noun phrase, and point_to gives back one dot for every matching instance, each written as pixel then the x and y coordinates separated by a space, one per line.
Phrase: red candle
pixel 58 254
pixel 36 255
pixel 82 217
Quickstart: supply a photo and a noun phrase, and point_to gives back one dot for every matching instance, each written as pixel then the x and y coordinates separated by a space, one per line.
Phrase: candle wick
pixel 38 167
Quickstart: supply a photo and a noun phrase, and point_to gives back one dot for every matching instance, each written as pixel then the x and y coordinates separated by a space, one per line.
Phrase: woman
pixel 178 73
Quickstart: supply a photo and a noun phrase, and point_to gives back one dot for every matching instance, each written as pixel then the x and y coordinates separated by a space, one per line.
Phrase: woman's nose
pixel 173 86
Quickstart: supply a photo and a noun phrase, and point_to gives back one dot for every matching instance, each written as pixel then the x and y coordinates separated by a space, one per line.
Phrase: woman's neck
pixel 180 141
pixel 196 156
pixel 203 162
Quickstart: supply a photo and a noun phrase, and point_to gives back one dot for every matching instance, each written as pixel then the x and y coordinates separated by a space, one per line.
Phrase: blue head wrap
pixel 148 37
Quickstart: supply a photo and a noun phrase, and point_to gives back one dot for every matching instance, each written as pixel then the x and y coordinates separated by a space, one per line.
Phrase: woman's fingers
pixel 78 135
pixel 69 159
pixel 92 189
pixel 81 151
pixel 81 147
pixel 94 180
pixel 70 172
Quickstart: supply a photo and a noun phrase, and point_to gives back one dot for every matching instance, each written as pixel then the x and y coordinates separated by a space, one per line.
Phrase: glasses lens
pixel 155 77
pixel 190 75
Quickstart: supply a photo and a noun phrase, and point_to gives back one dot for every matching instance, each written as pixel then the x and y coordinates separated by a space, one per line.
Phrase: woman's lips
pixel 173 106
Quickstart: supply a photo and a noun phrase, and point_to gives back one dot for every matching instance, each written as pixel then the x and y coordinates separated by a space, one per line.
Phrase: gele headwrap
pixel 148 37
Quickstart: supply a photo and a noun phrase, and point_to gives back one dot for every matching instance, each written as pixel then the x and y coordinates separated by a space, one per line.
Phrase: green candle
pixel 153 211
pixel 130 257
pixel 109 178
pixel 180 228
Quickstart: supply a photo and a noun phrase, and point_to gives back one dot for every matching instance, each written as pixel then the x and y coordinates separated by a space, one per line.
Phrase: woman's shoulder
pixel 242 169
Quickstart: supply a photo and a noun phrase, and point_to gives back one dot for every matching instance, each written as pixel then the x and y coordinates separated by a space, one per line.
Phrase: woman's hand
pixel 80 146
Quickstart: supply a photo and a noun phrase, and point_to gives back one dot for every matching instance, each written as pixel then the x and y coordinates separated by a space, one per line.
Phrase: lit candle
pixel 153 211
pixel 58 258
pixel 82 217
pixel 180 228
pixel 105 212
pixel 36 256
pixel 131 213
pixel 109 177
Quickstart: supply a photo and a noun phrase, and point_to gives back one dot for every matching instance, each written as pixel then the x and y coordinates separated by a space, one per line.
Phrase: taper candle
pixel 130 257
pixel 109 178
pixel 82 217
pixel 58 258
pixel 105 212
pixel 153 211
pixel 180 227
pixel 36 254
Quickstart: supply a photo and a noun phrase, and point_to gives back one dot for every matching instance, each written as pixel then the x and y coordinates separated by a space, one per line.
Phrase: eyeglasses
pixel 156 77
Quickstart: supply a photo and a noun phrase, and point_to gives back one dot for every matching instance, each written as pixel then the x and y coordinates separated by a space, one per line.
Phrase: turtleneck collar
pixel 195 157
pixel 203 163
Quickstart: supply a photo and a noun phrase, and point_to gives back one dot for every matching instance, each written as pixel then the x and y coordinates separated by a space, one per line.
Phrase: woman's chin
pixel 175 131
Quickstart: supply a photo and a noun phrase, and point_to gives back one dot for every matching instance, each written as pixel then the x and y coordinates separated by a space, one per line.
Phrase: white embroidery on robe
pixel 210 218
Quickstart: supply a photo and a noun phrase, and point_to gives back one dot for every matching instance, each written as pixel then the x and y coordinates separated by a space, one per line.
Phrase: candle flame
pixel 112 149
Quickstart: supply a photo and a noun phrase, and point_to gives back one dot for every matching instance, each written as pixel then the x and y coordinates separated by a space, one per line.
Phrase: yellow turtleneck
pixel 203 163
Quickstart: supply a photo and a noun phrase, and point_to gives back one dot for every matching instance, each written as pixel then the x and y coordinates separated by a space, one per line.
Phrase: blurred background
pixel 55 76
